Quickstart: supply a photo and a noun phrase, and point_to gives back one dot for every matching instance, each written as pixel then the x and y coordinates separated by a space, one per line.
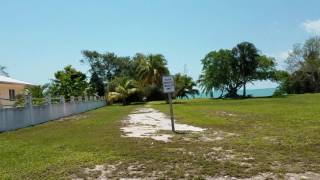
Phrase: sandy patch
pixel 118 171
pixel 263 176
pixel 150 123
pixel 74 117
pixel 137 170
pixel 224 113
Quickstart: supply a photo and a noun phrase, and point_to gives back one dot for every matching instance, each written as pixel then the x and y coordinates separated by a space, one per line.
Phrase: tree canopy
pixel 184 86
pixel 229 70
pixel 246 55
pixel 104 67
pixel 303 68
pixel 220 72
pixel 69 82
pixel 123 88
pixel 107 69
pixel 151 68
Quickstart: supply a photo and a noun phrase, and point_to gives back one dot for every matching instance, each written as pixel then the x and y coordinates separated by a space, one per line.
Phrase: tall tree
pixel 184 86
pixel 229 70
pixel 104 67
pixel 123 88
pixel 220 72
pixel 149 70
pixel 152 68
pixel 97 85
pixel 94 59
pixel 304 68
pixel 247 55
pixel 68 82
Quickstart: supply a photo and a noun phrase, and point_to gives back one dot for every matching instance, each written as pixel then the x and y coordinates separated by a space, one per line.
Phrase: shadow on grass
pixel 138 103
pixel 181 132
pixel 174 102
pixel 250 97
pixel 131 104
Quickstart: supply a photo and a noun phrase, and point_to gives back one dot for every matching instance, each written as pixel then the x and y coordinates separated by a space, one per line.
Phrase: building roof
pixel 8 80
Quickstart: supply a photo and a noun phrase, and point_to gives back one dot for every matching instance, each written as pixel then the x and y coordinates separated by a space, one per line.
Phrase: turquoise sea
pixel 253 92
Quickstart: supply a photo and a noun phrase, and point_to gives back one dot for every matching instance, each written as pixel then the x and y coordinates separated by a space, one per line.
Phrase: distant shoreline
pixel 264 92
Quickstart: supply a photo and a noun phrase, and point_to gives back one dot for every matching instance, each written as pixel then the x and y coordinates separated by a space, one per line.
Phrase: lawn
pixel 256 135
pixel 280 134
pixel 60 148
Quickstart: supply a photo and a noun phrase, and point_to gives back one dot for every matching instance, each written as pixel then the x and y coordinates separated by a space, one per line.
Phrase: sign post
pixel 168 87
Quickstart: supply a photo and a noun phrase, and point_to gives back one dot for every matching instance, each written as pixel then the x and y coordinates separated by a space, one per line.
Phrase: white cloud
pixel 312 26
pixel 283 55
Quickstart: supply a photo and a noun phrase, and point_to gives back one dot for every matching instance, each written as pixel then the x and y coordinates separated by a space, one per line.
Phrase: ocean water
pixel 253 92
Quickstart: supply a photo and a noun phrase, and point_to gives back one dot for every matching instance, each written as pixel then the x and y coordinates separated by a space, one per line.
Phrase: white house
pixel 9 89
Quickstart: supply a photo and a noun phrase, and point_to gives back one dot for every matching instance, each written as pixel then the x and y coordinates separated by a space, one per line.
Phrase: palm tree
pixel 247 55
pixel 123 89
pixel 152 68
pixel 3 71
pixel 184 86
pixel 206 84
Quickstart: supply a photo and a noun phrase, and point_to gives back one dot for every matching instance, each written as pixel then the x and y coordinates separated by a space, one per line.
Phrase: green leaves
pixel 304 68
pixel 69 82
pixel 123 89
pixel 108 68
pixel 184 86
pixel 151 68
pixel 229 70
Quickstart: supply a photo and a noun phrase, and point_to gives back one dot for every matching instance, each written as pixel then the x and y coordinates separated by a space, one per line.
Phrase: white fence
pixel 20 117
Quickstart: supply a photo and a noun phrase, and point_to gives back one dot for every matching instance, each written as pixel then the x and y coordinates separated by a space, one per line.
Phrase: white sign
pixel 168 84
pixel 168 87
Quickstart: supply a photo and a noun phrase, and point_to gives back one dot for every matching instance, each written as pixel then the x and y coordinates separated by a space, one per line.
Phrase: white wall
pixel 15 118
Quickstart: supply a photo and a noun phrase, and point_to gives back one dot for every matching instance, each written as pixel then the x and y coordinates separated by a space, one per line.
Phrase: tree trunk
pixel 211 94
pixel 221 95
pixel 232 93
pixel 317 82
pixel 244 90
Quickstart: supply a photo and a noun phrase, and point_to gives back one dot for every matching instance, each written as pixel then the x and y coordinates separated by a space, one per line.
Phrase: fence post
pixel 28 108
pixel 72 99
pixel 28 100
pixel 48 99
pixel 86 98
pixel 62 100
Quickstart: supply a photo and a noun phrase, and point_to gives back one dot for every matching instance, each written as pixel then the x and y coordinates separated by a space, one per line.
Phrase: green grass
pixel 281 134
pixel 57 149
pixel 276 134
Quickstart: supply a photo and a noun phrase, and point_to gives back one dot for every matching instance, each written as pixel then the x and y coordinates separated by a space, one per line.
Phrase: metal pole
pixel 171 112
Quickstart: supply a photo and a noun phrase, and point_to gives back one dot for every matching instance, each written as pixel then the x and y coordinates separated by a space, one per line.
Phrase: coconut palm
pixel 184 86
pixel 123 88
pixel 152 68
pixel 247 55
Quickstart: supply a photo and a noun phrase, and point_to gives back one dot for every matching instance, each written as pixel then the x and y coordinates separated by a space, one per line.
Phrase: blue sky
pixel 40 37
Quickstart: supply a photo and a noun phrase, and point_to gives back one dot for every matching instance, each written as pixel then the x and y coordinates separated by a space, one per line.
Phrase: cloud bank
pixel 312 26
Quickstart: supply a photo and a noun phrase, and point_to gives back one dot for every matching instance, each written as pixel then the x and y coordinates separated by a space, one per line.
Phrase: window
pixel 12 95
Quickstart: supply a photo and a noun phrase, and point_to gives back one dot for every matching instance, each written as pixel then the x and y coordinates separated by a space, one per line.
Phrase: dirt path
pixel 150 123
